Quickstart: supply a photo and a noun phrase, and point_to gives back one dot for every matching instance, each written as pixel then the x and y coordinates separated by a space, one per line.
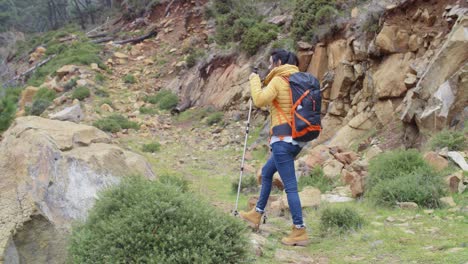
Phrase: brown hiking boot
pixel 298 237
pixel 252 217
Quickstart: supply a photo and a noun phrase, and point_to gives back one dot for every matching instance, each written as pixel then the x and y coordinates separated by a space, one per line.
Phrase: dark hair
pixel 285 56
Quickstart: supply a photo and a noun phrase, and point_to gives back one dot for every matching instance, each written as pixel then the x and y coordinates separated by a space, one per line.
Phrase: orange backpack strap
pixel 282 114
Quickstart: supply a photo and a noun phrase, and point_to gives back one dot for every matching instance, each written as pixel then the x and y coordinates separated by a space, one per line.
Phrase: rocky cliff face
pixel 51 173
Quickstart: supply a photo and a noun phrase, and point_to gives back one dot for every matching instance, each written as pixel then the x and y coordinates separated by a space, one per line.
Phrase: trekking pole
pixel 243 157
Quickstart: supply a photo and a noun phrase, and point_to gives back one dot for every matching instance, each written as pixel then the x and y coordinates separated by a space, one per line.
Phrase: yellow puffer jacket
pixel 276 88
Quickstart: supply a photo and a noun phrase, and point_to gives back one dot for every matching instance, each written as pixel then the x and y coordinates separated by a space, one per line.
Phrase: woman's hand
pixel 252 75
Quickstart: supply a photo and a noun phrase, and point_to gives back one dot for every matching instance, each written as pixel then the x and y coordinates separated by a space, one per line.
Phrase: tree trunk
pixel 80 14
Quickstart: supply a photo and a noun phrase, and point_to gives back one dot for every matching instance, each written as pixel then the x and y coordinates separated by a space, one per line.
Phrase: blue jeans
pixel 282 160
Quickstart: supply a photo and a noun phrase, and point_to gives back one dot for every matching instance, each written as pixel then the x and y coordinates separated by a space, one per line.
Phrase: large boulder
pixel 319 64
pixel 344 79
pixel 389 79
pixel 51 172
pixel 440 95
pixel 338 52
pixel 392 39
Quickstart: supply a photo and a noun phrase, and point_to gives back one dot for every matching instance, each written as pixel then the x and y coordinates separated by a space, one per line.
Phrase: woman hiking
pixel 283 148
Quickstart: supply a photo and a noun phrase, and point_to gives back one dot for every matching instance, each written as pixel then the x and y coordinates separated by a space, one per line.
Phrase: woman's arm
pixel 262 97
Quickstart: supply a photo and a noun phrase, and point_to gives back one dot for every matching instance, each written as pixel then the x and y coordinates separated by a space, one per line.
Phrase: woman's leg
pixel 284 154
pixel 267 178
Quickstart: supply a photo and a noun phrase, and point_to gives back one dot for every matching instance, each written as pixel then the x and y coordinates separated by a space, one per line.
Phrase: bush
pixel 176 181
pixel 166 226
pixel 312 14
pixel 70 85
pixel 107 101
pixel 100 78
pixel 81 93
pixel 45 94
pixel 148 110
pixel 258 35
pixel 317 179
pixel 340 220
pixel 194 56
pixel 168 102
pixel 214 118
pixel 41 101
pixel 453 140
pixel 8 106
pixel 151 147
pixel 115 123
pixel 101 92
pixel 129 78
pixel 38 107
pixel 249 184
pixel 423 188
pixel 164 99
pixel 403 176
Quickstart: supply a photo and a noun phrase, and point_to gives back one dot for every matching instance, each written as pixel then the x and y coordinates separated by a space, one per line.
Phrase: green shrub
pixel 142 221
pixel 106 101
pixel 403 176
pixel 41 101
pixel 453 140
pixel 70 84
pixel 81 93
pixel 100 78
pixel 101 93
pixel 286 43
pixel 164 99
pixel 214 118
pixel 248 185
pixel 176 181
pixel 45 94
pixel 258 35
pixel 38 107
pixel 194 56
pixel 312 14
pixel 148 110
pixel 317 179
pixel 129 78
pixel 151 147
pixel 115 123
pixel 8 106
pixel 194 114
pixel 168 102
pixel 423 188
pixel 339 220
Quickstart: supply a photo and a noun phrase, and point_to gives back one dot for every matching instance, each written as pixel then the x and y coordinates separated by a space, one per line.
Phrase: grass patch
pixel 214 118
pixel 403 176
pixel 194 56
pixel 80 52
pixel 151 147
pixel 81 93
pixel 194 114
pixel 339 220
pixel 148 110
pixel 107 101
pixel 317 179
pixel 115 123
pixel 70 84
pixel 41 101
pixel 129 78
pixel 164 99
pixel 8 106
pixel 100 78
pixel 453 140
pixel 248 185
pixel 101 92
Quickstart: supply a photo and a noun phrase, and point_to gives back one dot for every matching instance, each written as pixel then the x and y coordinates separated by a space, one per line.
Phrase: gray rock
pixel 72 113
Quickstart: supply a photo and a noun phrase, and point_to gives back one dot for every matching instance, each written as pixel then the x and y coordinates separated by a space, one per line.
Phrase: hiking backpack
pixel 304 119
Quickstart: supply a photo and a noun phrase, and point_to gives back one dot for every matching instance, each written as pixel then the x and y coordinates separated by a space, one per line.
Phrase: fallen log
pixel 104 34
pixel 138 39
pixel 102 40
pixel 30 70
pixel 168 8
